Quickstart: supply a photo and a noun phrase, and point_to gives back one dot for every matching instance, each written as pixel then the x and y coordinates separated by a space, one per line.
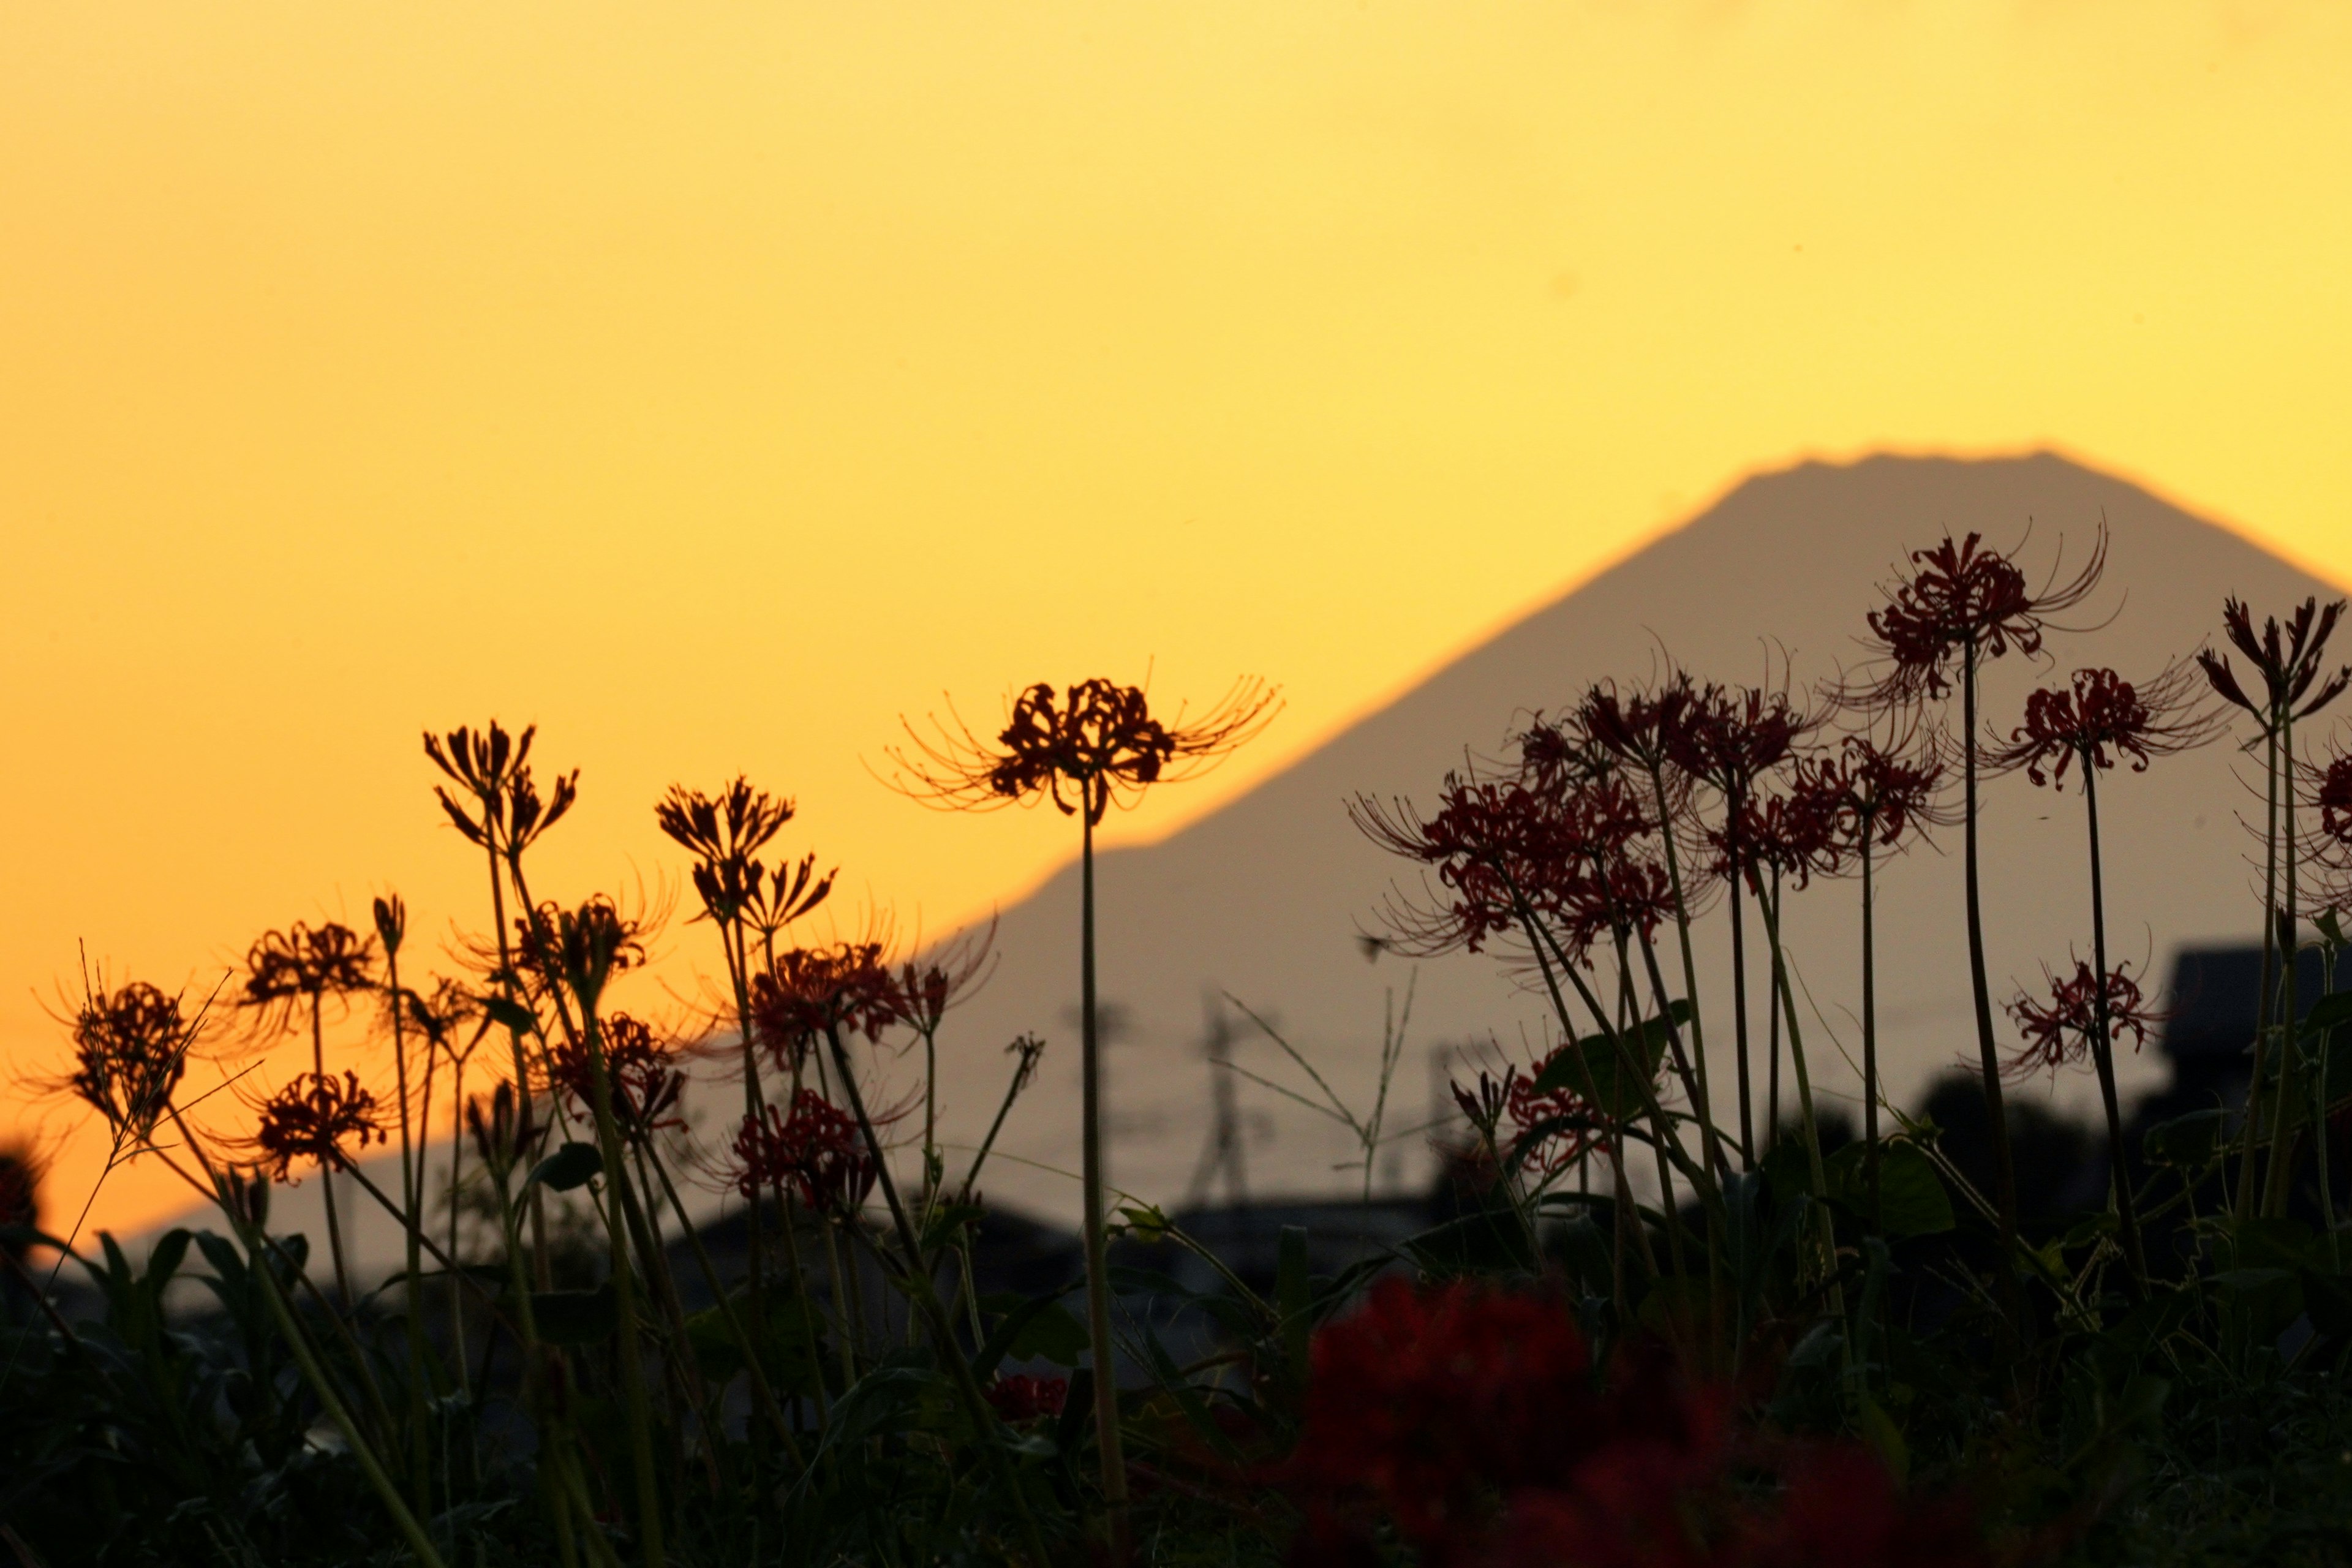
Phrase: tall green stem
pixel 2283 1136
pixel 1870 1027
pixel 1105 1352
pixel 1816 1172
pixel 2004 1167
pixel 2247 1168
pixel 1739 1026
pixel 632 1381
pixel 2102 1043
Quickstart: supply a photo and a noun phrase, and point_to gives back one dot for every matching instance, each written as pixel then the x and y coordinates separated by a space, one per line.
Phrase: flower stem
pixel 1105 1354
pixel 2103 1046
pixel 2004 1167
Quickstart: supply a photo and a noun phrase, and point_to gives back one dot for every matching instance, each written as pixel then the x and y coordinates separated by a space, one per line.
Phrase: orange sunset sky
pixel 713 383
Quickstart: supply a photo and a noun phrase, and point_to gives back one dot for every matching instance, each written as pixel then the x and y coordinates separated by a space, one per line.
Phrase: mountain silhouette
pixel 1267 898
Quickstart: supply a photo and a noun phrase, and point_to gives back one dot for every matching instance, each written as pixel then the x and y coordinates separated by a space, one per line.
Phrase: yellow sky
pixel 711 382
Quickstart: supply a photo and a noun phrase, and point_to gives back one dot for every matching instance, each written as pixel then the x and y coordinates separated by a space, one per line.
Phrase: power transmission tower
pixel 1222 1152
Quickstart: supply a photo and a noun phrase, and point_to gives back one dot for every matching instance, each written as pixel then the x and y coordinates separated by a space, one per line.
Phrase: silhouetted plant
pixel 1083 750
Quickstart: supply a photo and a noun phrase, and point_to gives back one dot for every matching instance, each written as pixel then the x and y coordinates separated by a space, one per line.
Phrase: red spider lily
pixel 927 989
pixel 2290 660
pixel 1020 1398
pixel 1499 844
pixel 1082 749
pixel 2100 719
pixel 1625 899
pixel 810 990
pixel 579 950
pixel 1648 729
pixel 1888 789
pixel 1796 832
pixel 640 1068
pixel 130 1047
pixel 725 834
pixel 1731 738
pixel 1555 1128
pixel 2335 801
pixel 1471 1420
pixel 816 1150
pixel 2058 1033
pixel 286 968
pixel 1424 1404
pixel 1962 597
pixel 494 769
pixel 317 1118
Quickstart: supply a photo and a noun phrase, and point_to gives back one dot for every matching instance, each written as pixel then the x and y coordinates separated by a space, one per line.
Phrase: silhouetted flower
pixel 847 986
pixel 505 1131
pixel 579 950
pixel 300 965
pixel 1082 749
pixel 2058 1032
pixel 926 989
pixel 2290 660
pixel 317 1118
pixel 1647 729
pixel 1795 832
pixel 2100 719
pixel 1958 596
pixel 495 770
pixel 1883 789
pixel 725 834
pixel 1019 1399
pixel 130 1047
pixel 1502 848
pixel 816 1150
pixel 1731 738
pixel 640 1068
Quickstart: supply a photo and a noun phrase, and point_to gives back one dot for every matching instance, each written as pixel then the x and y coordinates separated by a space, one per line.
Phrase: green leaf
pixel 568 1167
pixel 2187 1141
pixel 576 1317
pixel 1911 1195
pixel 1016 1313
pixel 512 1014
pixel 2331 1012
pixel 1147 1222
pixel 1617 1095
pixel 1050 1334
pixel 787 1350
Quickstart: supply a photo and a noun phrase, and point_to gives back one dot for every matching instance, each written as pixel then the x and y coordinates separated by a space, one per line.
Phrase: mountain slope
pixel 1263 898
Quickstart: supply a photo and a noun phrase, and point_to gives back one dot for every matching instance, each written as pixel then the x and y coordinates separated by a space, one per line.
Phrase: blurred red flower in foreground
pixel 1021 1398
pixel 1472 1419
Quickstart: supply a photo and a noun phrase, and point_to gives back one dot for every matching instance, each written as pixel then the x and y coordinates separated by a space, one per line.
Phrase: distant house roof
pixel 2210 1001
